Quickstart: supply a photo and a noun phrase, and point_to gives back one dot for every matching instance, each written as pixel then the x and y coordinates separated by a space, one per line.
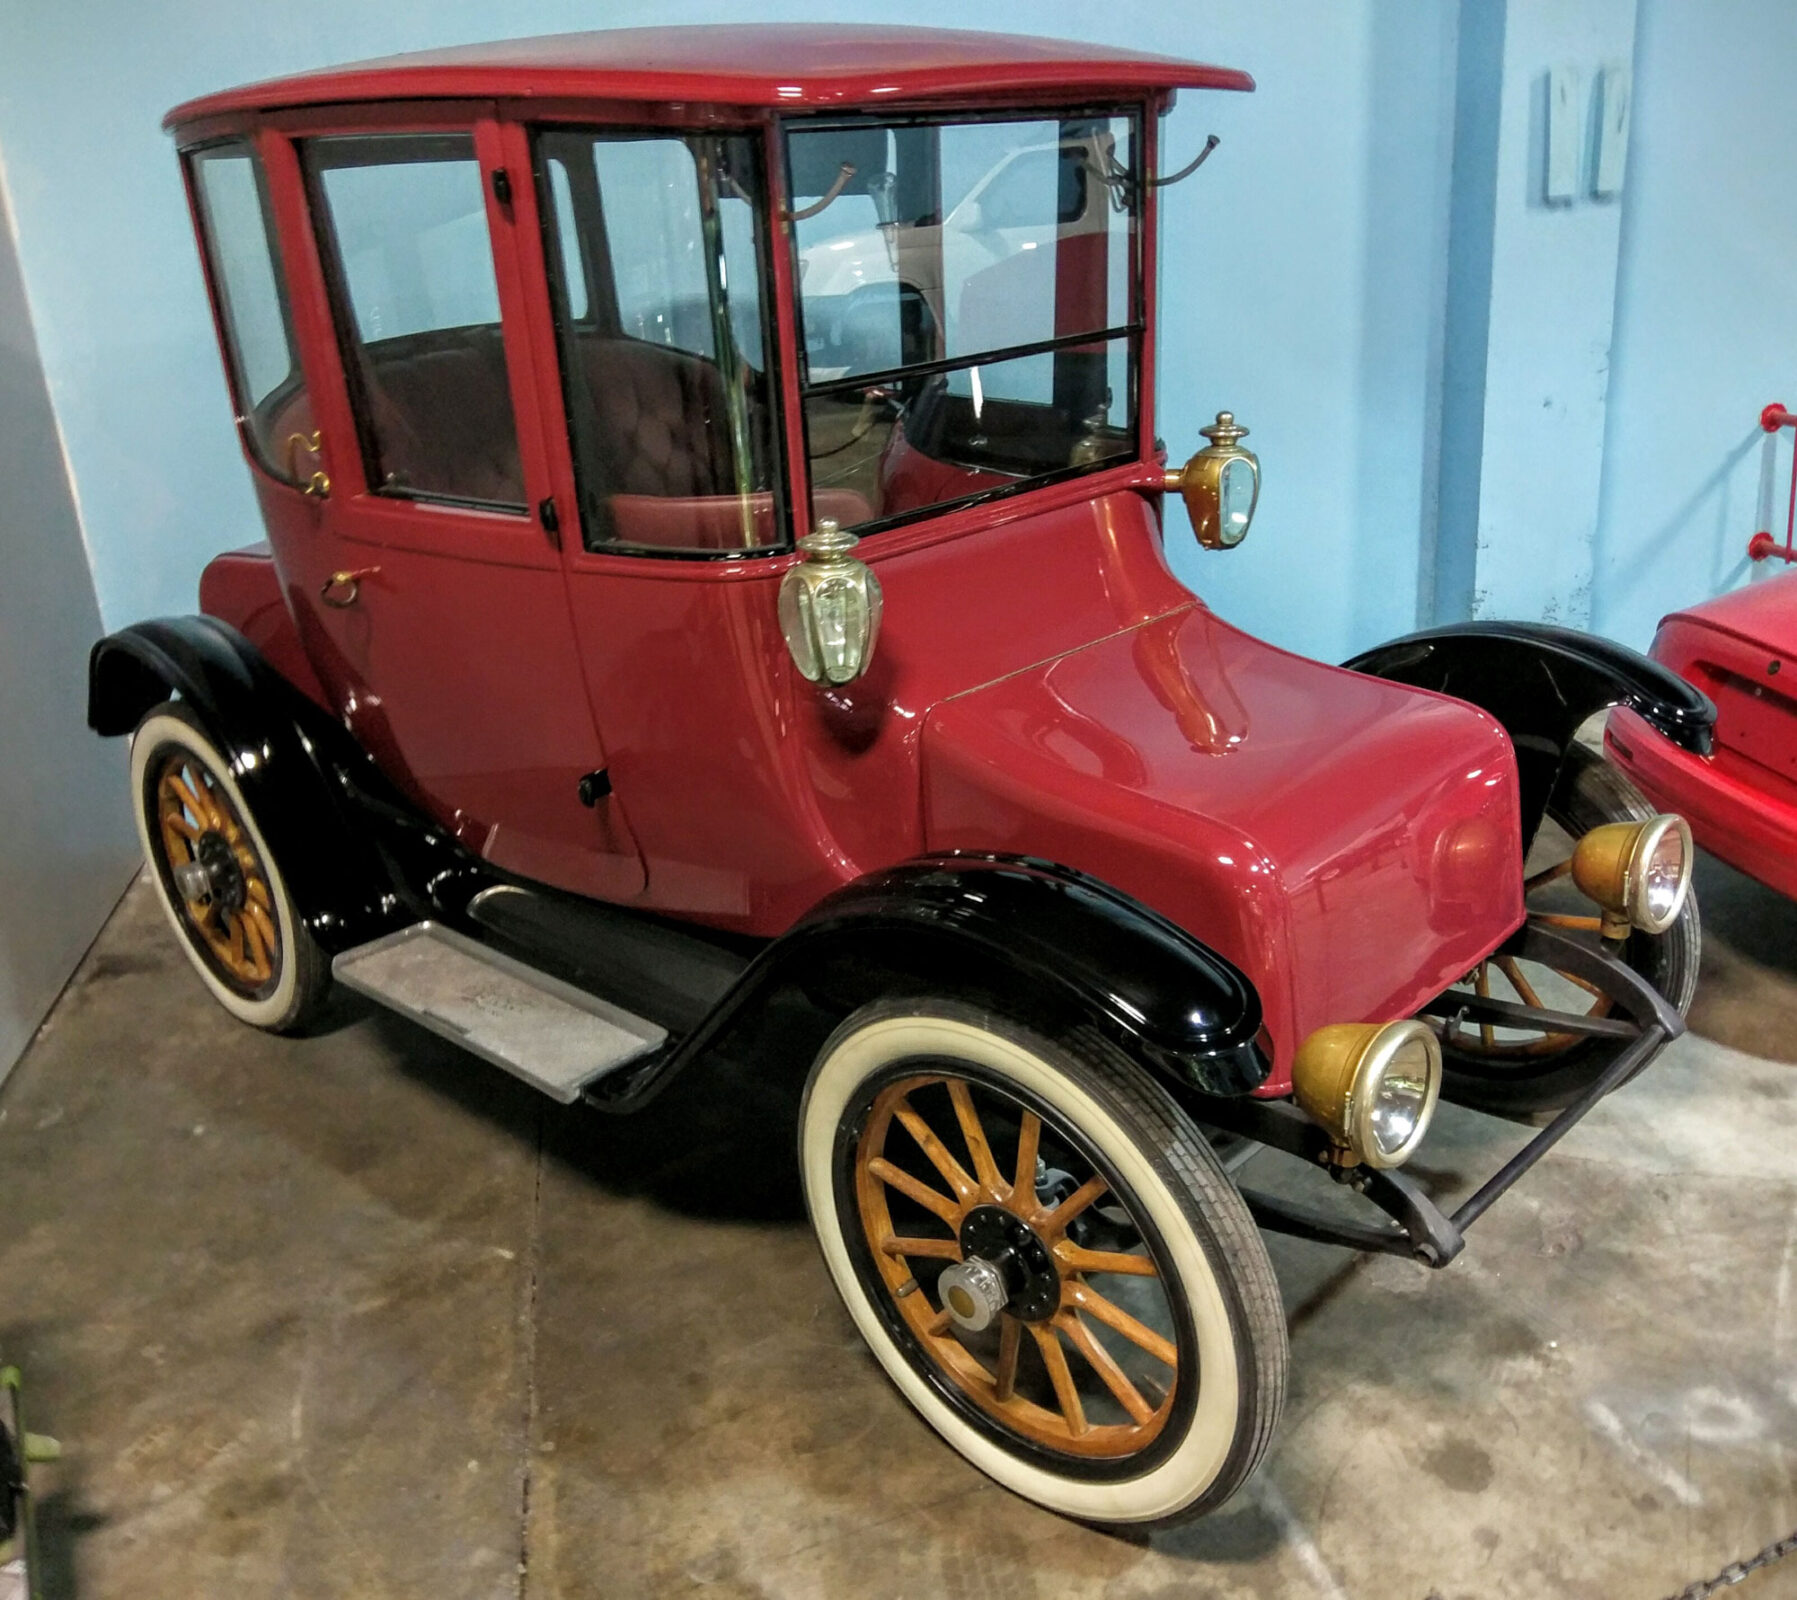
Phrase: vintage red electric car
pixel 715 562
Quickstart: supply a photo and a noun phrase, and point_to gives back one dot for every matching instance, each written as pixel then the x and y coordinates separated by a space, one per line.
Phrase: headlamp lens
pixel 1400 1098
pixel 1663 878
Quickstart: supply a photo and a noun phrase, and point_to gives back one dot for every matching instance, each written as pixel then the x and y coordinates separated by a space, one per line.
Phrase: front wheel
pixel 217 880
pixel 1519 1071
pixel 1046 1258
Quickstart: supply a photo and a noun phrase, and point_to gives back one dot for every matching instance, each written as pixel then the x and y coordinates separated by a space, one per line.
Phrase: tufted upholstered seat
pixel 441 409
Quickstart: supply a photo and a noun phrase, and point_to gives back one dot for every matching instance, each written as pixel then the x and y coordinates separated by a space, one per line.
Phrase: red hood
pixel 1351 844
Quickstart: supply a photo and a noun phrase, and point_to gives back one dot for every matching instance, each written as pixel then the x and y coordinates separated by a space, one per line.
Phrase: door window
pixel 238 229
pixel 656 260
pixel 403 223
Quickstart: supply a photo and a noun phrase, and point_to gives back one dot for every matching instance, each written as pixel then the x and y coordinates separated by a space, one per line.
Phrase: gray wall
pixel 66 844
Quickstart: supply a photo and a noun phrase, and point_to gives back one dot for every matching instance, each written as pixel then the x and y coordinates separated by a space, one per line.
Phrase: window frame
pixel 554 262
pixel 344 327
pixel 218 292
pixel 1134 330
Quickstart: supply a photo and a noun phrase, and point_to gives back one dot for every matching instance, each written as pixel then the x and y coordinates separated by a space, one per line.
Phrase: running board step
pixel 555 1037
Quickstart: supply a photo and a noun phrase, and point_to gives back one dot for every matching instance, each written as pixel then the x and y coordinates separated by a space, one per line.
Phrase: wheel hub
pixel 1003 1266
pixel 213 875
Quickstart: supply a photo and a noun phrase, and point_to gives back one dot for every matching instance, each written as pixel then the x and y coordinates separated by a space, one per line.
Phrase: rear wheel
pixel 1516 1071
pixel 1046 1258
pixel 216 878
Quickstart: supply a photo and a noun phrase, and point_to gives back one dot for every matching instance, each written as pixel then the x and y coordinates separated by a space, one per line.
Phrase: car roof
pixel 809 66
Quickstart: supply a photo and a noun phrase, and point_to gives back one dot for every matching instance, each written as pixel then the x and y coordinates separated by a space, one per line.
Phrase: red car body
pixel 1741 799
pixel 1043 686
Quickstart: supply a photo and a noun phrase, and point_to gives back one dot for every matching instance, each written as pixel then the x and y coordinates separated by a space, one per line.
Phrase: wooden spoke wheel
pixel 1516 1069
pixel 1132 1365
pixel 218 882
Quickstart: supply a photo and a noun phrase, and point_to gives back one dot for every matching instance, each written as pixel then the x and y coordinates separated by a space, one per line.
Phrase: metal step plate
pixel 555 1037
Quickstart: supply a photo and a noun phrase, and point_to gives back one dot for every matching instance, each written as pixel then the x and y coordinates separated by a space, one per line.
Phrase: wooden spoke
pixel 1580 924
pixel 1087 1299
pixel 1055 1222
pixel 1029 1137
pixel 1525 991
pixel 938 1323
pixel 1482 987
pixel 1105 1365
pixel 1061 1376
pixel 974 1132
pixel 1010 1342
pixel 936 1249
pixel 916 1189
pixel 1076 1258
pixel 1542 879
pixel 255 947
pixel 953 1174
pixel 265 924
pixel 174 817
pixel 189 796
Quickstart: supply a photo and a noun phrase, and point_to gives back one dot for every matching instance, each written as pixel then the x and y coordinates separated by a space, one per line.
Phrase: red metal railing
pixel 1762 544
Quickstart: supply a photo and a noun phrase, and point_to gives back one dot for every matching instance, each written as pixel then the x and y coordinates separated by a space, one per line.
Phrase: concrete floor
pixel 358 1315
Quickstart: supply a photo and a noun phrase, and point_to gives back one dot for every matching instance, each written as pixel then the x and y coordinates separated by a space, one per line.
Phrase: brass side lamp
pixel 1220 485
pixel 830 607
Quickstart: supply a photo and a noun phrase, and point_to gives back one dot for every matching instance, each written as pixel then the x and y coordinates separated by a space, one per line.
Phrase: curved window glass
pixel 235 221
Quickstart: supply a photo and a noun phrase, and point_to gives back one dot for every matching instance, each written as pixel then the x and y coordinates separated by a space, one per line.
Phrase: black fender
pixel 1040 941
pixel 1541 682
pixel 327 813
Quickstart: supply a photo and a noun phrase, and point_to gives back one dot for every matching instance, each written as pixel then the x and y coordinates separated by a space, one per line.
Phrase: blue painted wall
pixel 1303 276
pixel 1306 285
pixel 1706 307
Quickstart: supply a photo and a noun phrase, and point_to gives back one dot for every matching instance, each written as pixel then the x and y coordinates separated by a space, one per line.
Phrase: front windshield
pixel 968 304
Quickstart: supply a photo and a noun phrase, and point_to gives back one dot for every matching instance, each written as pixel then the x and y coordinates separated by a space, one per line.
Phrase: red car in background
pixel 1741 796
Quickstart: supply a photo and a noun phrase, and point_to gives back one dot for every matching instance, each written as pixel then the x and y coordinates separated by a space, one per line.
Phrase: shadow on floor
pixel 1745 998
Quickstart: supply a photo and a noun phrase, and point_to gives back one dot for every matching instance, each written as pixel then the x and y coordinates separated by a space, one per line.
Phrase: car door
pixel 432 589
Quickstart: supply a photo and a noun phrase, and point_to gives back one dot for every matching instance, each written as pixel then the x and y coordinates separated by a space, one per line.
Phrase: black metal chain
pixel 1735 1571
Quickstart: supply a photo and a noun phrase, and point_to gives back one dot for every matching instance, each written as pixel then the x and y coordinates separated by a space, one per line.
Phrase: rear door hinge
pixel 502 187
pixel 594 787
pixel 551 519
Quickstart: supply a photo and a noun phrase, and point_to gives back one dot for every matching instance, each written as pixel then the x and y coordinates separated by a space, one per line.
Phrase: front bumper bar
pixel 1418 1227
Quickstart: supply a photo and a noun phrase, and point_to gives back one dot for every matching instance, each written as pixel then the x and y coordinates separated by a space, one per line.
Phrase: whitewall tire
pixel 218 882
pixel 1136 1371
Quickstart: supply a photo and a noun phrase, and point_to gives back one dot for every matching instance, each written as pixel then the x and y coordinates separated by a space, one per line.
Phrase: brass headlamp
pixel 1372 1085
pixel 1638 872
pixel 1220 485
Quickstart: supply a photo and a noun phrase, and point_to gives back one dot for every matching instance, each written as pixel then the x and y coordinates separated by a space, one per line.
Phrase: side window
pixel 656 261
pixel 269 392
pixel 402 220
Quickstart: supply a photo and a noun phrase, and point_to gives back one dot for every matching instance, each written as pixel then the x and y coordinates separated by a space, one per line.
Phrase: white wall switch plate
pixel 1615 85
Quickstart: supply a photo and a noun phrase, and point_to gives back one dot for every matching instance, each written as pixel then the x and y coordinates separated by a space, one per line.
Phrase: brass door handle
pixel 342 589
